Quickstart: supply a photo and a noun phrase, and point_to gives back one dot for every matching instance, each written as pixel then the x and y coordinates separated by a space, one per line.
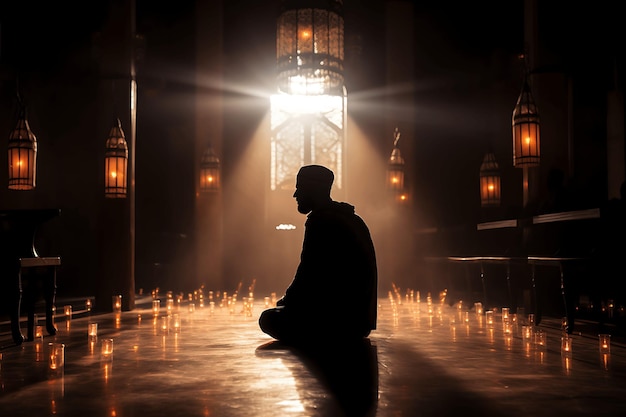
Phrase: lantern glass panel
pixel 490 190
pixel 209 171
pixel 490 187
pixel 115 185
pixel 395 178
pixel 116 163
pixel 22 156
pixel 526 136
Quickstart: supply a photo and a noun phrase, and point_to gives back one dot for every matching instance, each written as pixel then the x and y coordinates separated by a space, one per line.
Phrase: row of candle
pixel 171 321
pixel 529 331
pixel 56 353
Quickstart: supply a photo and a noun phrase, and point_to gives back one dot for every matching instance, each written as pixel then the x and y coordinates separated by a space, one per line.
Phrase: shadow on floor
pixel 348 371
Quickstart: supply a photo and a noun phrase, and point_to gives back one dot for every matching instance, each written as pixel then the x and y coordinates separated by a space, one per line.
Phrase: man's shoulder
pixel 334 209
pixel 337 221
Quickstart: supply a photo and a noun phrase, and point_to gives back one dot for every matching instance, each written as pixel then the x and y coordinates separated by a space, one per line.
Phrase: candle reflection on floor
pixel 213 361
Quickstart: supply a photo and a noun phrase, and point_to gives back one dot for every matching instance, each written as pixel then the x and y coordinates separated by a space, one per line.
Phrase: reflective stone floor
pixel 217 363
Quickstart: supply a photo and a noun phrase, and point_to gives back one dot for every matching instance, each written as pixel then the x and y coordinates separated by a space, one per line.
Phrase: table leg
pixel 15 301
pixel 49 292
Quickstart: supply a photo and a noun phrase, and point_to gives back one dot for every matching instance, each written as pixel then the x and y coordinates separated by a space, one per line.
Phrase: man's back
pixel 334 290
pixel 337 261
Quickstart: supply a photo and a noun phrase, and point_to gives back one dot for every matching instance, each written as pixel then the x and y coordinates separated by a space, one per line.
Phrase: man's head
pixel 313 185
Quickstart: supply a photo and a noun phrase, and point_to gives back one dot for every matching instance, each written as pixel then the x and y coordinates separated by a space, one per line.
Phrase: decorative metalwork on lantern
pixel 395 167
pixel 22 155
pixel 115 163
pixel 310 48
pixel 489 181
pixel 308 112
pixel 209 171
pixel 526 137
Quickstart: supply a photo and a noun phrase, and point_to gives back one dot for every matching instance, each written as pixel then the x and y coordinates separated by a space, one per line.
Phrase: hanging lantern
pixel 22 155
pixel 310 48
pixel 395 167
pixel 209 172
pixel 526 138
pixel 115 163
pixel 489 181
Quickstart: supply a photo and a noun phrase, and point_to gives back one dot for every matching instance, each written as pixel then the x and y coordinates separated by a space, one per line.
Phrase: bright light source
pixel 284 226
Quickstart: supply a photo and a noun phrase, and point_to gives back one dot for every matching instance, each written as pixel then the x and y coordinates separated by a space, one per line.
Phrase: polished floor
pixel 423 360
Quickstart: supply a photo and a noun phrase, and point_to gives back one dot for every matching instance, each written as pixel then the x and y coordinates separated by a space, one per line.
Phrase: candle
pixel 106 348
pixel 604 343
pixel 92 329
pixel 169 305
pixel 176 322
pixel 489 317
pixel 165 324
pixel 88 304
pixel 540 338
pixel 527 332
pixel 38 332
pixel 479 308
pixel 116 301
pixel 68 312
pixel 156 306
pixel 505 315
pixel 566 346
pixel 56 356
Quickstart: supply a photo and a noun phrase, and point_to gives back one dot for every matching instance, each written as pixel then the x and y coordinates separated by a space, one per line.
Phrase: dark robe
pixel 334 290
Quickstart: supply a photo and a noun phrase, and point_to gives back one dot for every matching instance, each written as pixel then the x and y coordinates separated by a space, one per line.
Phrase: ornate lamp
pixel 115 163
pixel 310 47
pixel 209 172
pixel 489 181
pixel 308 110
pixel 395 166
pixel 526 137
pixel 22 155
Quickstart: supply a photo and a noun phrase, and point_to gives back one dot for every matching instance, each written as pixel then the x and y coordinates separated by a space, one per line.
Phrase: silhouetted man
pixel 334 291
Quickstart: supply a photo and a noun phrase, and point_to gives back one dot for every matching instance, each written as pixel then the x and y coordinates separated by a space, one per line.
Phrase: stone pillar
pixel 117 98
pixel 209 132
